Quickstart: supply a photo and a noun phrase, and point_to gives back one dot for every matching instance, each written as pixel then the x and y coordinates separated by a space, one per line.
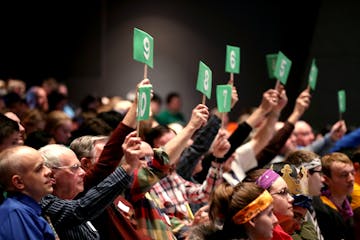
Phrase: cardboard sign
pixel 223 97
pixel 342 101
pixel 143 47
pixel 232 64
pixel 271 64
pixel 204 80
pixel 313 75
pixel 282 69
pixel 144 99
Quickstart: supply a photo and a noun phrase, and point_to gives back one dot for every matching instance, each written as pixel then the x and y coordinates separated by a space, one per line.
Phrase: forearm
pixel 191 155
pixel 130 117
pixel 176 145
pixel 67 213
pixel 265 133
pixel 276 143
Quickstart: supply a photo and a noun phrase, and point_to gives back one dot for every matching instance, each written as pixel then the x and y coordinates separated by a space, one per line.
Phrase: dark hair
pixel 156 133
pixel 172 95
pixel 112 118
pixel 7 127
pixel 156 98
pixel 92 126
pixel 37 139
pixel 300 156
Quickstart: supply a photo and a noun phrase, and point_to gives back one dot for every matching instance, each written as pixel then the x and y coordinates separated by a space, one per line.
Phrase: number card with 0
pixel 144 99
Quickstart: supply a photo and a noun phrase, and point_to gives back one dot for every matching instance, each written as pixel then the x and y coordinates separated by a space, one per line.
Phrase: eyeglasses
pixel 283 192
pixel 312 171
pixel 73 168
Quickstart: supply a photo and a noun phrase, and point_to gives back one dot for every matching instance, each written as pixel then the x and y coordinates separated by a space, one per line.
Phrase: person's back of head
pixel 94 127
pixel 155 134
pixel 112 118
pixel 57 101
pixel 34 120
pixel 38 139
pixel 86 149
pixel 300 157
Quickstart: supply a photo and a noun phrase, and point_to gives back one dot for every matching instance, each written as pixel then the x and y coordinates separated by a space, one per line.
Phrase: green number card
pixel 282 69
pixel 223 98
pixel 144 98
pixel 204 80
pixel 271 64
pixel 232 59
pixel 313 75
pixel 342 101
pixel 143 47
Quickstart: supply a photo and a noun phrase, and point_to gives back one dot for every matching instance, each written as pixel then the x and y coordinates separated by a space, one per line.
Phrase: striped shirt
pixel 70 218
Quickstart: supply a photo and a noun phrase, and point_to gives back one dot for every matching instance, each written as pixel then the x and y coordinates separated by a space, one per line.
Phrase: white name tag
pixel 123 207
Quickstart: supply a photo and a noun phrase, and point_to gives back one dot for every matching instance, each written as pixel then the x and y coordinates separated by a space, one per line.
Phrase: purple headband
pixel 267 179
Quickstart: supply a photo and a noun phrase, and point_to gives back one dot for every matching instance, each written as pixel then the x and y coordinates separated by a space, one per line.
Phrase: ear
pixel 17 182
pixel 85 163
pixel 252 222
pixel 326 180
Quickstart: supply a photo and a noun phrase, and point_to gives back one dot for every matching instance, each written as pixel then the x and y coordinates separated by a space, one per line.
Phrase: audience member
pixel 26 179
pixel 333 210
pixel 172 113
pixel 245 212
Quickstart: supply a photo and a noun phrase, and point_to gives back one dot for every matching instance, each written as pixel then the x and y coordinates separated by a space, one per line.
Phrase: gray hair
pixel 52 154
pixel 84 146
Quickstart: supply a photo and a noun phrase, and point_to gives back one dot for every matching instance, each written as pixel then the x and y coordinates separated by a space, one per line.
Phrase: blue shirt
pixel 21 219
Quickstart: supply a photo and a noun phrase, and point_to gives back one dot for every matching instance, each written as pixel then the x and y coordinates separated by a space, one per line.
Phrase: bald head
pixel 303 133
pixel 15 160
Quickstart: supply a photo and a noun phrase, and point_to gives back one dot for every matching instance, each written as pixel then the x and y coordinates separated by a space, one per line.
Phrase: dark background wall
pixel 88 45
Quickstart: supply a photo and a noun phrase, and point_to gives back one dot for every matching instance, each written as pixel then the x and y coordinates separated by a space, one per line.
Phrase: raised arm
pixel 112 153
pixel 176 145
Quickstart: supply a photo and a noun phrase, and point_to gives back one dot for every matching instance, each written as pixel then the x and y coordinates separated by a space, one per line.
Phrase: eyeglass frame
pixel 283 192
pixel 74 168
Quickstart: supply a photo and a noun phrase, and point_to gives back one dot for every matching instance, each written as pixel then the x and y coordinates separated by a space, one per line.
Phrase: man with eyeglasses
pixel 71 218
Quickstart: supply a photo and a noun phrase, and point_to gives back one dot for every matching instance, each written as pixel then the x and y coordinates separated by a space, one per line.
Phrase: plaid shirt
pixel 151 221
pixel 175 193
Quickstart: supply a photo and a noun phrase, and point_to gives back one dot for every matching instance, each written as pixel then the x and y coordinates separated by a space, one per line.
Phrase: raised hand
pixel 199 116
pixel 338 130
pixel 132 152
pixel 221 144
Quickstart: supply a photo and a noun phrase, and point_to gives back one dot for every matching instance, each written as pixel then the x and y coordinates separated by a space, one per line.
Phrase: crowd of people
pixel 94 172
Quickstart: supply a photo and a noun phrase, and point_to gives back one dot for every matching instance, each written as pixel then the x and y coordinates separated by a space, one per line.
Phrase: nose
pixel 274 219
pixel 290 198
pixel 48 171
pixel 81 172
